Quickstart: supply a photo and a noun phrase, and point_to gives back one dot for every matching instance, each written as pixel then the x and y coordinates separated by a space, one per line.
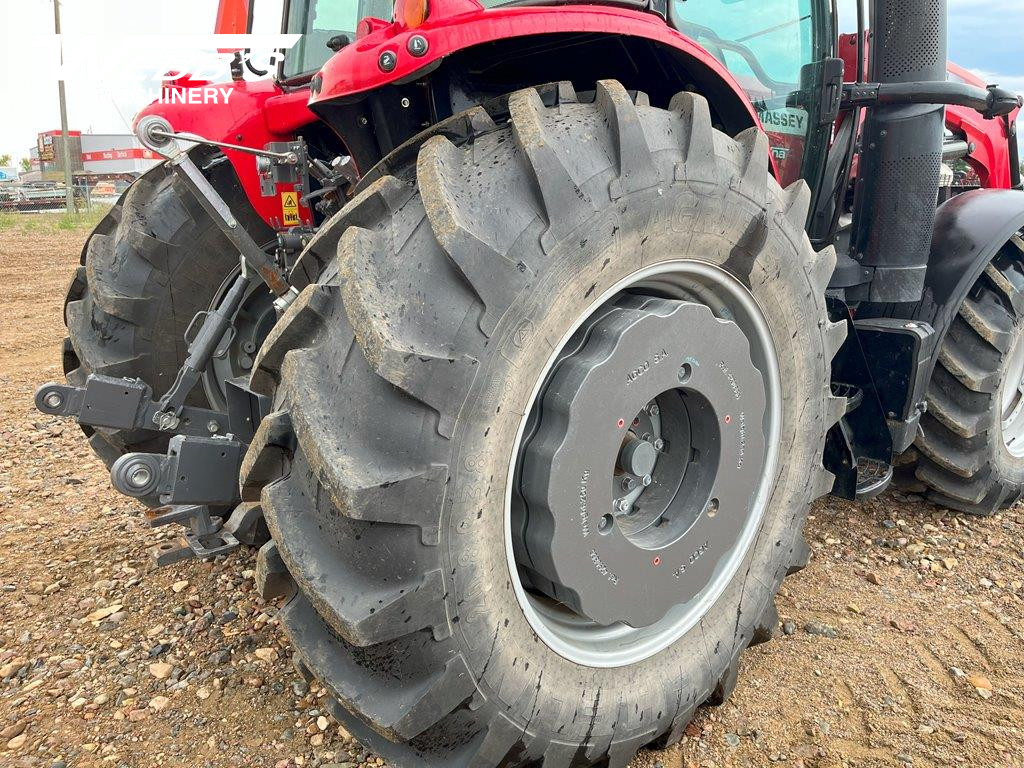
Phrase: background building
pixel 95 157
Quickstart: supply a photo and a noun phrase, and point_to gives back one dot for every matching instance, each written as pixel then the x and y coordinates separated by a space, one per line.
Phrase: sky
pixel 106 86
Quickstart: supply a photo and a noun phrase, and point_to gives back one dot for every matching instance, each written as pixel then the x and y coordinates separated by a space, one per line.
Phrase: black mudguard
pixel 970 229
pixel 902 340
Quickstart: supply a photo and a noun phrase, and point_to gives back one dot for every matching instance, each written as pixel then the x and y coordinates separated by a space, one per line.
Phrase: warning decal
pixel 290 207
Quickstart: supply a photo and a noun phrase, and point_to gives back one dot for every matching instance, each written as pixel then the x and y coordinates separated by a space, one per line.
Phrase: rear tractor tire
pixel 969 455
pixel 546 433
pixel 150 265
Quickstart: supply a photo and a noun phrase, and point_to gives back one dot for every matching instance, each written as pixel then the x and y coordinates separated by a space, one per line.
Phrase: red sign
pixel 136 153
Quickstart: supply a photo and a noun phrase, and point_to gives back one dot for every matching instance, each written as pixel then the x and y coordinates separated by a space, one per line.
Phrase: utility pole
pixel 68 183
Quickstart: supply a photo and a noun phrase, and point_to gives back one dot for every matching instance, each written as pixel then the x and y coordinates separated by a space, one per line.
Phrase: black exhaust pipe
pixel 901 157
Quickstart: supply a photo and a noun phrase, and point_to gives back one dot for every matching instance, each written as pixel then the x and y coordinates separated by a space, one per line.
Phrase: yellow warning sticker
pixel 290 207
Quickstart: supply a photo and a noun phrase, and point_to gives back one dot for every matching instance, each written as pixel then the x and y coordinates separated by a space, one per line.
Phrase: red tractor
pixel 521 337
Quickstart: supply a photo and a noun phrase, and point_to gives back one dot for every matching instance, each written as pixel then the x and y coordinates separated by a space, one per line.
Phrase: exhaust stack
pixel 901 158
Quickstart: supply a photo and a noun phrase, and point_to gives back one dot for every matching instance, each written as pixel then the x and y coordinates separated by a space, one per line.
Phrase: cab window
pixel 772 48
pixel 320 20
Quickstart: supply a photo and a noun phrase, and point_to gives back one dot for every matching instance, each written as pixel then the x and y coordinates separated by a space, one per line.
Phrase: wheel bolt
pixel 622 505
pixel 647 480
pixel 659 444
pixel 628 484
pixel 654 410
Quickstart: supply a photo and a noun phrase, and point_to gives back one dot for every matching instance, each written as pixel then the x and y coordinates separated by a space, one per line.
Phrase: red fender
pixel 455 25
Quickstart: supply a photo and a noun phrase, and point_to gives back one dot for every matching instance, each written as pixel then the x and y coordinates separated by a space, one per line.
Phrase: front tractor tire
pixel 969 453
pixel 546 433
pixel 150 265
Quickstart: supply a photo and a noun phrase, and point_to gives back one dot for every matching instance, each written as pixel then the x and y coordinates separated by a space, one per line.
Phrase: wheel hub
pixel 646 455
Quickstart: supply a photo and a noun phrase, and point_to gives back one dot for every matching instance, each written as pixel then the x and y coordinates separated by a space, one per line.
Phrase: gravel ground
pixel 900 645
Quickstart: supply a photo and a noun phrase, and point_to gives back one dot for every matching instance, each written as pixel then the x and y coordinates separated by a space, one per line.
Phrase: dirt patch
pixel 901 643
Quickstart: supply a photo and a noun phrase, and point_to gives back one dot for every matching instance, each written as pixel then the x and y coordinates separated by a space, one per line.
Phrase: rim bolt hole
pixel 685 372
pixel 712 508
pixel 606 524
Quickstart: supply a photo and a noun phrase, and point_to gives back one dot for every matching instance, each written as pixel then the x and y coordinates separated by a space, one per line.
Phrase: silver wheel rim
pixel 1012 401
pixel 574 637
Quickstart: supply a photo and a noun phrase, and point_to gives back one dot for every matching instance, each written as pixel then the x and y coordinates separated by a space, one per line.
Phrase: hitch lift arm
pixel 199 474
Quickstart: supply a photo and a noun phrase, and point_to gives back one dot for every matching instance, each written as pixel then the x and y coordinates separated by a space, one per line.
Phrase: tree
pixel 5 159
pixel 26 164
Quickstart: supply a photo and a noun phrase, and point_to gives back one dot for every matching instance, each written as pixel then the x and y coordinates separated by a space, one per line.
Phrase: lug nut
pixel 53 400
pixel 659 444
pixel 654 410
pixel 622 505
pixel 628 484
pixel 647 480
